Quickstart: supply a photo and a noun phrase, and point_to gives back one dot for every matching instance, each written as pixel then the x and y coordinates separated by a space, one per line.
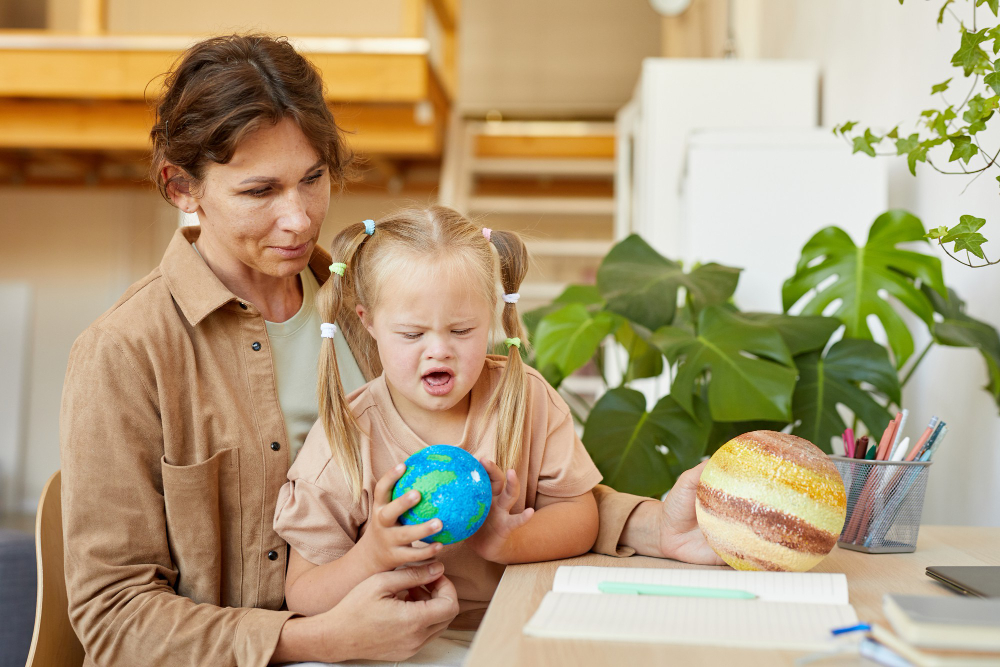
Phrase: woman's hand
pixel 372 622
pixel 680 536
pixel 492 540
pixel 387 544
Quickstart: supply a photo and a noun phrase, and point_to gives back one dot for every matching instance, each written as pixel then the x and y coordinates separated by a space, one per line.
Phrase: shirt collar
pixel 196 289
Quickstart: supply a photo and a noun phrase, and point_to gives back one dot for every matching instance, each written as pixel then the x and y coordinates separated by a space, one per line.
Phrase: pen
pixel 626 588
pixel 860 627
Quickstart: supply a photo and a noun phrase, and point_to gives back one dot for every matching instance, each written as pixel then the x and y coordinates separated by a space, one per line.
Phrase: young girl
pixel 415 295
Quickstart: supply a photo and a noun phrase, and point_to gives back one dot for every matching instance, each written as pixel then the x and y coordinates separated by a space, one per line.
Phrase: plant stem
pixel 916 363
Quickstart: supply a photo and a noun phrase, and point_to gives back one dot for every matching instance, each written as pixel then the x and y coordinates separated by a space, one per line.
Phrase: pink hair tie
pixel 486 232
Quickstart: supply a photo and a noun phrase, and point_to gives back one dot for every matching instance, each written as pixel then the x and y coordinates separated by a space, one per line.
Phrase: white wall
pixel 879 61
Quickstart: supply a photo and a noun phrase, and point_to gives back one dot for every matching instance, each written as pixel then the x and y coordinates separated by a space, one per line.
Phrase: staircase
pixel 550 181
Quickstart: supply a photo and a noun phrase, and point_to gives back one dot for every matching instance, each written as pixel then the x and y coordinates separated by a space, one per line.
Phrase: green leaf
pixel 826 381
pixel 940 18
pixel 993 81
pixel 569 337
pixel 864 143
pixel 904 146
pixel 976 127
pixel 801 333
pixel 749 364
pixel 848 126
pixel 940 122
pixel 994 5
pixel 623 440
pixel 893 133
pixel 642 285
pixel 644 360
pixel 940 87
pixel 965 235
pixel 918 154
pixel 969 56
pixel 938 232
pixel 958 329
pixel 963 149
pixel 862 274
pixel 980 108
pixel 587 295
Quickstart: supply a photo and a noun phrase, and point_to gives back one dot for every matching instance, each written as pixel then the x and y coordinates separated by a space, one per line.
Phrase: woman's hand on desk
pixel 680 536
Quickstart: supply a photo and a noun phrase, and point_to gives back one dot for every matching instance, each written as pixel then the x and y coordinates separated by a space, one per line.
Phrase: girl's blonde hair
pixel 401 242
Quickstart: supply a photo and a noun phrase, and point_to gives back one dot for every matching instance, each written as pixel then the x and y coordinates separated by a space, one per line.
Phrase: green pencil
pixel 626 588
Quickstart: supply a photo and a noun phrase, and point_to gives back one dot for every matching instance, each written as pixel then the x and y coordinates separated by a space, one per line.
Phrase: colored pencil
pixel 883 444
pixel 898 435
pixel 923 438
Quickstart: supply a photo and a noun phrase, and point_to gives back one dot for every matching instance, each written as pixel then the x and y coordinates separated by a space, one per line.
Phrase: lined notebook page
pixel 672 620
pixel 801 587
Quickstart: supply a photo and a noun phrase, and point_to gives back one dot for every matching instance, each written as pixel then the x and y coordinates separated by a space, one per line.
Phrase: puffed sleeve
pixel 120 575
pixel 566 469
pixel 316 513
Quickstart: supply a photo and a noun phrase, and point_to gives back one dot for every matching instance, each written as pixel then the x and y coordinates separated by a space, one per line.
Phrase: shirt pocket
pixel 204 528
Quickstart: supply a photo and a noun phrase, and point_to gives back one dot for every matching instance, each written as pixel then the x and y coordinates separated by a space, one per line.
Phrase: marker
pixel 900 452
pixel 860 627
pixel 626 588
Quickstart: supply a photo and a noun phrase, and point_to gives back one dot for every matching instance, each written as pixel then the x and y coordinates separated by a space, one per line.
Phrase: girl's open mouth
pixel 438 383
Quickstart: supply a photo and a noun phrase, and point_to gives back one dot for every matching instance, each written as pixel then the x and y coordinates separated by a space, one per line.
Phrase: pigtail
pixel 341 428
pixel 510 397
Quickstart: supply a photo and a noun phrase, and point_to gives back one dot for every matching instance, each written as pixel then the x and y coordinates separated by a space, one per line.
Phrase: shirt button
pixel 275 446
pixel 256 346
pixel 243 305
pixel 272 555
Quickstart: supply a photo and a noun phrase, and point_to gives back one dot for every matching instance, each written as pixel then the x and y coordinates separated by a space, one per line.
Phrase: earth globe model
pixel 453 487
pixel 771 501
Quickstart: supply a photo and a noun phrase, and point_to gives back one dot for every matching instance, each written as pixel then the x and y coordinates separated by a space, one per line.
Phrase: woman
pixel 183 404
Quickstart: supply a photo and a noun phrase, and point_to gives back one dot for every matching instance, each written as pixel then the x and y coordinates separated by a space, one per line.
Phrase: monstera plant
pixel 814 368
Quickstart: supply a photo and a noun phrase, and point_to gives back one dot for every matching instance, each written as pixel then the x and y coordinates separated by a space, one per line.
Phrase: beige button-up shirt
pixel 173 452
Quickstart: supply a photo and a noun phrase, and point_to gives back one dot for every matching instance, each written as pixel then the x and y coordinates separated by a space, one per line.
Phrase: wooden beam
pixel 700 32
pixel 447 13
pixel 376 129
pixel 494 146
pixel 413 16
pixel 68 73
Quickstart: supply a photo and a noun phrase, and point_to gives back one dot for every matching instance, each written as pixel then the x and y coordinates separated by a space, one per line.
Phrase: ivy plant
pixel 946 137
pixel 813 369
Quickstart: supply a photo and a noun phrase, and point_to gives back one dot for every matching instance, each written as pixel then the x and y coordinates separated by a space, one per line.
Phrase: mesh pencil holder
pixel 884 503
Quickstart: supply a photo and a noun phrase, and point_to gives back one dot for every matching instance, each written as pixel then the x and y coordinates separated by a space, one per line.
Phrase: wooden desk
pixel 500 642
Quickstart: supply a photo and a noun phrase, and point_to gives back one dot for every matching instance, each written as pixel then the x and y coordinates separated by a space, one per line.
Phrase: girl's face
pixel 432 327
pixel 263 210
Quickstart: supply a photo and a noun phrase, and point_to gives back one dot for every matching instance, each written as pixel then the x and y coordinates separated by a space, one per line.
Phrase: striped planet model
pixel 771 501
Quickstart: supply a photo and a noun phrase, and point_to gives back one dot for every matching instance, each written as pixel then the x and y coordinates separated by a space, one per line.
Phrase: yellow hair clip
pixel 516 342
pixel 338 268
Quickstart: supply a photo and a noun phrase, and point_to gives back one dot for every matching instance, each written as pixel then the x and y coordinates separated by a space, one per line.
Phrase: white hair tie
pixel 511 298
pixel 327 330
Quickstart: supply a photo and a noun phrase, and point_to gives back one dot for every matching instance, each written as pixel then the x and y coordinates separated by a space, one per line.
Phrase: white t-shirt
pixel 295 345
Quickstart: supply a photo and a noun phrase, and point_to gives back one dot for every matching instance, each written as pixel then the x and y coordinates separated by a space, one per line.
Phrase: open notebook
pixel 792 611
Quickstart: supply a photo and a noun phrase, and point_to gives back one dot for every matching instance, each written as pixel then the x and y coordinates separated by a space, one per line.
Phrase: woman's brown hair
pixel 222 89
pixel 400 242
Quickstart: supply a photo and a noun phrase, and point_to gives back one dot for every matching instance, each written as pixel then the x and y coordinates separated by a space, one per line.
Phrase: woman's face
pixel 265 207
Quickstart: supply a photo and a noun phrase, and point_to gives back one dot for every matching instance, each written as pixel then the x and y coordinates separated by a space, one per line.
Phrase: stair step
pixel 570 248
pixel 543 205
pixel 543 166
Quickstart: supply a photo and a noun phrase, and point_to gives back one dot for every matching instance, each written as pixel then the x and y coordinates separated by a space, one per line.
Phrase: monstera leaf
pixel 863 274
pixel 750 366
pixel 834 378
pixel 626 442
pixel 644 360
pixel 640 284
pixel 566 339
pixel 959 330
pixel 801 333
pixel 588 295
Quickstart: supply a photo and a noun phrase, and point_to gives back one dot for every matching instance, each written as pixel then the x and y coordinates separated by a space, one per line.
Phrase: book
pixel 792 610
pixel 971 624
pixel 932 657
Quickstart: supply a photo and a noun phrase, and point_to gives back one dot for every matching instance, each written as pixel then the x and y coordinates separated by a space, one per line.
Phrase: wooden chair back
pixel 53 643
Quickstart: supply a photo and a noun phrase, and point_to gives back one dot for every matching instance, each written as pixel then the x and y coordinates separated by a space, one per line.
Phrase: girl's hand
pixel 493 539
pixel 388 544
